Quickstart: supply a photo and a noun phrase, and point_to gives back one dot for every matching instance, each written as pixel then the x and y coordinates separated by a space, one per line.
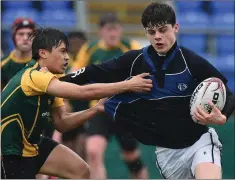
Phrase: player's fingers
pixel 214 108
pixel 148 85
pixel 201 111
pixel 198 115
pixel 143 74
pixel 148 81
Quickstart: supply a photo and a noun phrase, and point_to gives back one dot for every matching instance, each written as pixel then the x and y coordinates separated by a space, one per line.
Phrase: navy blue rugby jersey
pixel 161 117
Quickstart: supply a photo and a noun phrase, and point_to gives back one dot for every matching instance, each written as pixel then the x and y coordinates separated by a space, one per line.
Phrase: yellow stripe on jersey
pixel 5 61
pixel 36 117
pixel 29 150
pixel 10 96
pixel 135 45
pixel 123 47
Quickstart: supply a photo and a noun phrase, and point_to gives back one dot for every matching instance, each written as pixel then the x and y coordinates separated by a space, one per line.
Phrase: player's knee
pixel 95 147
pixel 81 171
pixel 133 161
pixel 134 166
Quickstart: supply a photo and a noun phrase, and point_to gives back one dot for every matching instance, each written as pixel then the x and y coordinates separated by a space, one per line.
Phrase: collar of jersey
pixel 102 45
pixel 33 63
pixel 24 60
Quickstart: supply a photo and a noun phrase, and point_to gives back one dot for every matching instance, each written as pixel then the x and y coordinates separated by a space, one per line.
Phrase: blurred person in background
pixel 22 54
pixel 99 130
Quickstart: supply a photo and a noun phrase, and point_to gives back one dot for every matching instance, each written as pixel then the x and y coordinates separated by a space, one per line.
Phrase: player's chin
pixel 24 48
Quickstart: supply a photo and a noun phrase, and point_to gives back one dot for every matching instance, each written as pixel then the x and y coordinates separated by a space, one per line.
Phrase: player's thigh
pixel 208 156
pixel 208 171
pixel 207 163
pixel 99 130
pixel 63 162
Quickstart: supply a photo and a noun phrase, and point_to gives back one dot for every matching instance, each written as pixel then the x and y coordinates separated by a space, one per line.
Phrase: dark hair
pixel 78 34
pixel 158 14
pixel 108 18
pixel 47 39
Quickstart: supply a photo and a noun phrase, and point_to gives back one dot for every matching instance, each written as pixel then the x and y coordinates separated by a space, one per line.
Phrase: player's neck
pixel 41 63
pixel 22 55
pixel 172 47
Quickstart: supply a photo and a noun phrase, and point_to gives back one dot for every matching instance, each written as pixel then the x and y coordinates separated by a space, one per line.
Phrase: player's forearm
pixel 87 92
pixel 101 90
pixel 72 120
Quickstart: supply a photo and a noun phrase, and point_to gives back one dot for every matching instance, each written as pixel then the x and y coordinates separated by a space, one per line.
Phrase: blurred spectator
pixel 21 55
pixel 102 127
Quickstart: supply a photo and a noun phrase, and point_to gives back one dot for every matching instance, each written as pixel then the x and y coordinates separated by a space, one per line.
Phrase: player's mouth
pixel 159 45
pixel 65 65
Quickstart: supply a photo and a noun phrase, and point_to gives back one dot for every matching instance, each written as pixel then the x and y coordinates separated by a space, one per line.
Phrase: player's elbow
pixel 61 129
pixel 60 124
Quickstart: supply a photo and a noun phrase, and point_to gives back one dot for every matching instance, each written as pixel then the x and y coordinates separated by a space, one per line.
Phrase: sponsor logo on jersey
pixel 182 86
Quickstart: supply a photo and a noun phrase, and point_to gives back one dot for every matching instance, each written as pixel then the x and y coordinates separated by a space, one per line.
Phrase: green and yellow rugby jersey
pixel 10 65
pixel 26 108
pixel 95 52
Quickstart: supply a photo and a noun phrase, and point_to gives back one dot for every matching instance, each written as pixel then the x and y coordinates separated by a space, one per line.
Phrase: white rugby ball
pixel 211 89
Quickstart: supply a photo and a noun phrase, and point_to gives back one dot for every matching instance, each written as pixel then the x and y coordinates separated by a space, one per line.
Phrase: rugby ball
pixel 211 89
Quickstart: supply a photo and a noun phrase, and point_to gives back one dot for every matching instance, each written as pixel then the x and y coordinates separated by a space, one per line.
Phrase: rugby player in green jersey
pixel 33 98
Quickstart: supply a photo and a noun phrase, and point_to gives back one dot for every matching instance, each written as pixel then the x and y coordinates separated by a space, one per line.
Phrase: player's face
pixel 111 34
pixel 57 59
pixel 163 37
pixel 75 44
pixel 23 43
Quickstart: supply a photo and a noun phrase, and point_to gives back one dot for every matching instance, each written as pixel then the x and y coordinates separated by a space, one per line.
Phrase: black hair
pixel 158 14
pixel 77 34
pixel 108 18
pixel 47 39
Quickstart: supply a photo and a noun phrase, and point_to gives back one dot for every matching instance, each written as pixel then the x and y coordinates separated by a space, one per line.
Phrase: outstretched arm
pixel 100 90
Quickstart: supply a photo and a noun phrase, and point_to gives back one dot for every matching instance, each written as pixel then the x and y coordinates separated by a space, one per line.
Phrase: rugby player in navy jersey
pixel 162 118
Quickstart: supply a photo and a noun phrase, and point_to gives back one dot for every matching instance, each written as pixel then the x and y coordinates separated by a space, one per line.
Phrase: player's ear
pixel 43 53
pixel 176 28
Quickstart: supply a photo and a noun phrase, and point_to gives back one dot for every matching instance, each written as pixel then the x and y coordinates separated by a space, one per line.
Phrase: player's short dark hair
pixel 108 18
pixel 77 34
pixel 47 39
pixel 158 14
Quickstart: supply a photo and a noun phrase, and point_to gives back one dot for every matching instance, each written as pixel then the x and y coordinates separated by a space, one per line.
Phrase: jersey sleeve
pixel 58 102
pixel 82 58
pixel 35 82
pixel 201 69
pixel 114 70
pixel 135 45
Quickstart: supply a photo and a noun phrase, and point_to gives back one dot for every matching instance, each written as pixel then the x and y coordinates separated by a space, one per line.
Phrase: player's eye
pixel 151 32
pixel 63 51
pixel 20 34
pixel 163 30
